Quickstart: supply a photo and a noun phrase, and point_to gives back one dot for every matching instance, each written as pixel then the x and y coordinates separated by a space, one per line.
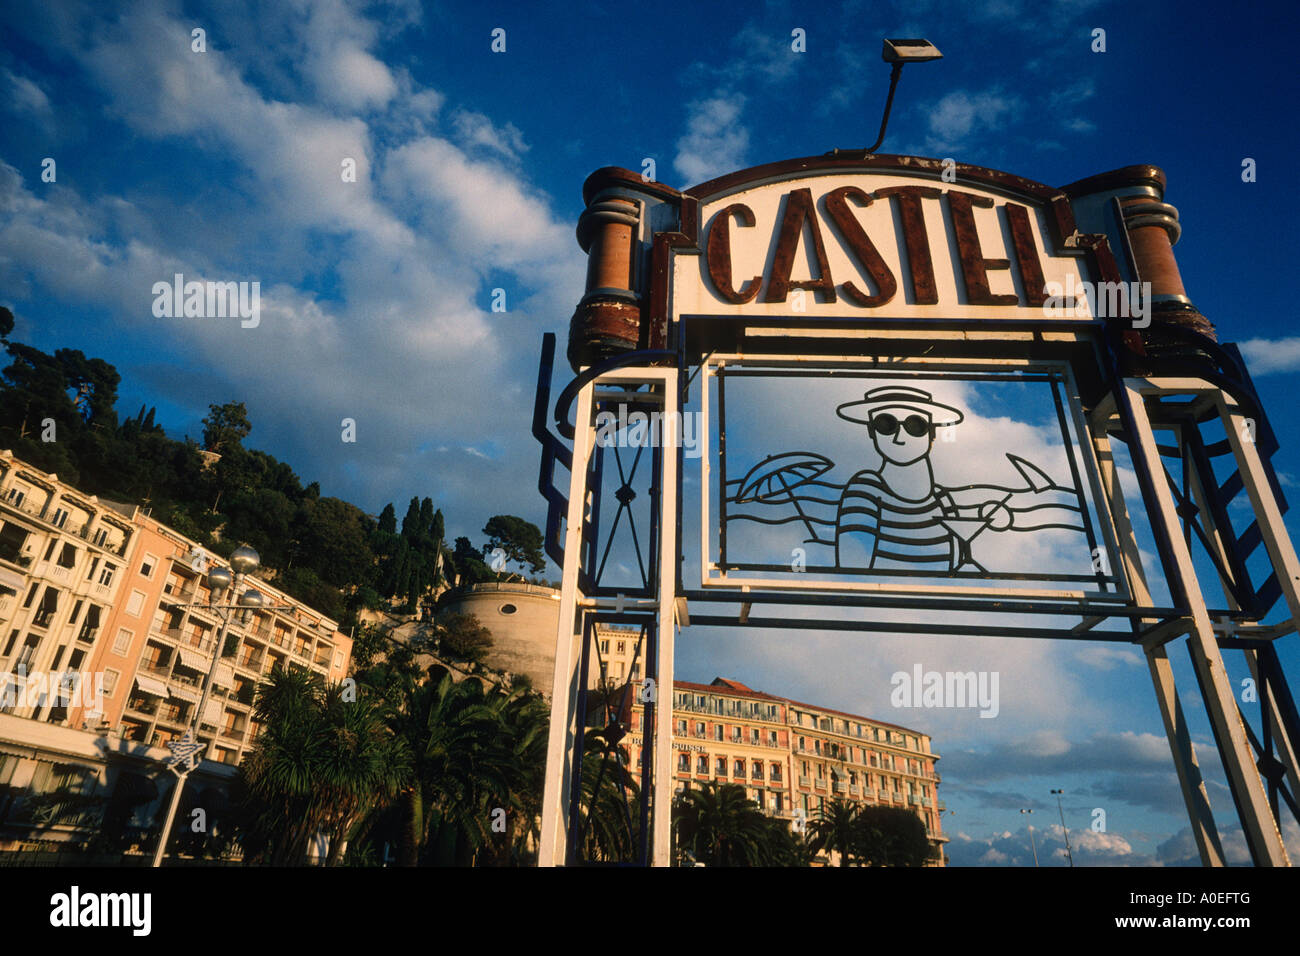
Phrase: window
pixel 717 731
pixel 106 576
pixel 771 737
pixel 48 608
pixel 123 642
pixel 49 551
pixel 684 763
pixel 699 728
pixel 803 744
pixel 758 798
pixel 31 595
pixel 702 764
pixel 9 644
pixel 622 647
pixel 94 563
pixel 135 603
pixel 776 773
pixel 738 769
pixel 68 558
pixel 757 770
pixel 604 647
pixel 699 701
pixel 28 652
pixel 91 625
pixel 776 802
pixel 508 609
pixel 147 566
pixel 754 735
pixel 59 517
pixel 720 767
pixel 681 728
pixel 110 681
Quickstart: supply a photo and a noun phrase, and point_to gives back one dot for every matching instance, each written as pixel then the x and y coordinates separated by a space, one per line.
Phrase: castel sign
pixel 839 245
pixel 913 386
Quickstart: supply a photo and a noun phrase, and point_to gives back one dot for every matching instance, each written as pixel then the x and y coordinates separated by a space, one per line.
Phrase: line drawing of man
pixel 898 507
pixel 896 517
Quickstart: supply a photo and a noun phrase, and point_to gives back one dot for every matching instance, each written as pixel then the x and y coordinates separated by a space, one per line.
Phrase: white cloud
pixel 1268 356
pixel 476 130
pixel 1105 657
pixel 405 343
pixel 714 143
pixel 959 114
pixel 26 96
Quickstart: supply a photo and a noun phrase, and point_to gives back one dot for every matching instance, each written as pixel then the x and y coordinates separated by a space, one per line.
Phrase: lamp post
pixel 187 751
pixel 1031 839
pixel 1063 826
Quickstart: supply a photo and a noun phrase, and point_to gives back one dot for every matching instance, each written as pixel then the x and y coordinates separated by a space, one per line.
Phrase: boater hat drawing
pixel 899 396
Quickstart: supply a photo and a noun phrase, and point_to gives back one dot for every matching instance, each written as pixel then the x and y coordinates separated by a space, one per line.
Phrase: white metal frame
pixel 565 734
pixel 711 577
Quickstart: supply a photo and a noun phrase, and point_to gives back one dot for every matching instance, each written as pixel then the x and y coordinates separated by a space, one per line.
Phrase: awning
pixel 225 676
pixel 12 580
pixel 193 659
pixel 212 713
pixel 184 692
pixel 151 685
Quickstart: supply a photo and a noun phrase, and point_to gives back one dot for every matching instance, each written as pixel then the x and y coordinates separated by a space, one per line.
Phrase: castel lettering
pixel 799 223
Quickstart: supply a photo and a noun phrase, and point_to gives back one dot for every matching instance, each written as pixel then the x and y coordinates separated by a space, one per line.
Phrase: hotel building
pixel 104 654
pixel 792 757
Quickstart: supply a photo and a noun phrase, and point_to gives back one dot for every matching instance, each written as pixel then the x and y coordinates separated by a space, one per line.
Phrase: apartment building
pixel 791 757
pixel 106 646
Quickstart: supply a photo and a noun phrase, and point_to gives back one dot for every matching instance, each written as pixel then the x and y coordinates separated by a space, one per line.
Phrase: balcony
pixel 913 799
pixel 804 782
pixel 941 806
pixel 838 787
pixel 820 785
pixel 853 789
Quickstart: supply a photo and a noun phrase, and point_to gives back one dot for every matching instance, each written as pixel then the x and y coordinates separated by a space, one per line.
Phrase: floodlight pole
pixel 187 757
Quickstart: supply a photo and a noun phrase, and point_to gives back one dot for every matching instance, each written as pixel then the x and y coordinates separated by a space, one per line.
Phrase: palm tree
pixel 525 723
pixel 362 765
pixel 608 815
pixel 462 765
pixel 321 765
pixel 835 830
pixel 892 836
pixel 720 826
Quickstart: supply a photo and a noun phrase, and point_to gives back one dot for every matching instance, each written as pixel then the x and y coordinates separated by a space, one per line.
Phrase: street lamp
pixel 1063 826
pixel 1031 838
pixel 222 583
pixel 898 52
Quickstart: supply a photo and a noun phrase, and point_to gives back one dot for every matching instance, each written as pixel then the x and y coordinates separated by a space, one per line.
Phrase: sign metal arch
pixel 686 289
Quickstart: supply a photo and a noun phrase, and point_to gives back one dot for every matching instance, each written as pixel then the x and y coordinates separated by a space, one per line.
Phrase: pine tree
pixel 388 519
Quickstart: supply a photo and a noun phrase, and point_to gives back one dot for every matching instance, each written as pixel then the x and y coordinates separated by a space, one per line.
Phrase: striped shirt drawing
pixel 907 534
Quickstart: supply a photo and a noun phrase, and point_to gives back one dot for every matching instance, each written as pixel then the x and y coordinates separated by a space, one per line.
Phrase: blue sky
pixel 376 294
